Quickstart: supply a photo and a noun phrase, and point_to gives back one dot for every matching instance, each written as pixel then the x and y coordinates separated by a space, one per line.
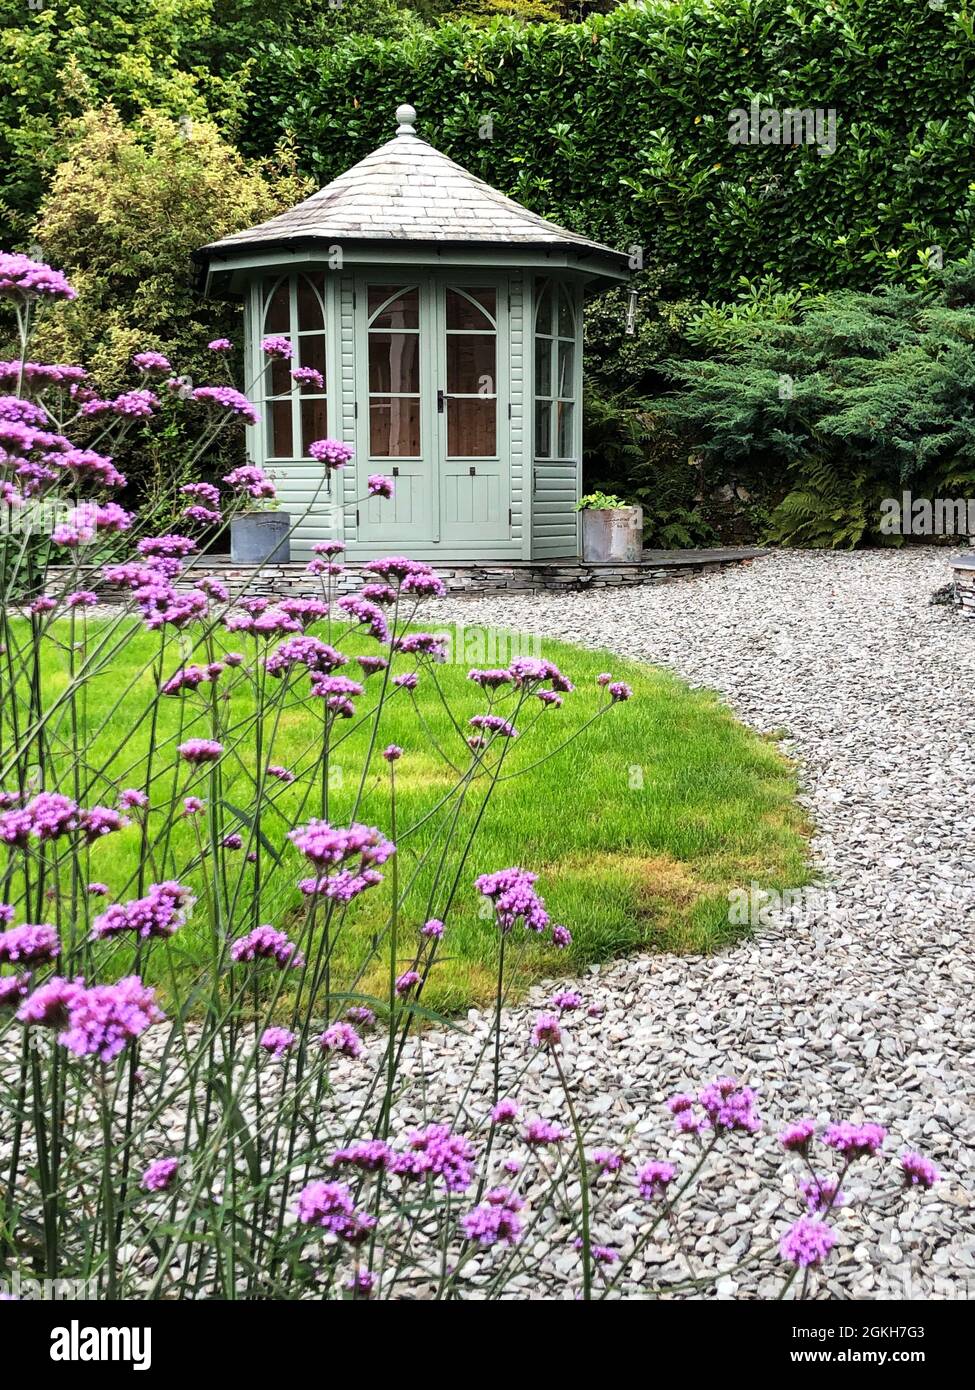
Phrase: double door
pixel 432 410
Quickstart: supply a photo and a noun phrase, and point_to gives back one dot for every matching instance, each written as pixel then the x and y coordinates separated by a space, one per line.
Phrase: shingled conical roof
pixel 407 191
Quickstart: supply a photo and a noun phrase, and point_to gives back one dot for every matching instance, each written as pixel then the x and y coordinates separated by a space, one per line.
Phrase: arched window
pixel 295 412
pixel 555 348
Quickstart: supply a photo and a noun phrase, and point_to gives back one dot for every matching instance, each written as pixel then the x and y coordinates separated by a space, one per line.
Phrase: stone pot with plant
pixel 612 530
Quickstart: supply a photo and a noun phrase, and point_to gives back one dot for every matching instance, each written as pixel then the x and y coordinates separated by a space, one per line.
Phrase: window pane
pixel 277 377
pixel 543 431
pixel 567 323
pixel 277 319
pixel 402 312
pixel 311 353
pixel 280 436
pixel 470 364
pixel 566 360
pixel 310 314
pixel 461 313
pixel 314 422
pixel 471 428
pixel 394 362
pixel 566 443
pixel 394 428
pixel 543 311
pixel 543 367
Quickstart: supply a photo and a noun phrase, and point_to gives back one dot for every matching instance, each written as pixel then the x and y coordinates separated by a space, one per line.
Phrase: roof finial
pixel 406 116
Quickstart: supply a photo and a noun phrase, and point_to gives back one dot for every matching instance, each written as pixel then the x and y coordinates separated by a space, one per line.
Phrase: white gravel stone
pixel 856 1004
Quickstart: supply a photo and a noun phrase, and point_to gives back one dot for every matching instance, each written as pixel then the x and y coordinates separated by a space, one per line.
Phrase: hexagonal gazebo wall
pixel 445 324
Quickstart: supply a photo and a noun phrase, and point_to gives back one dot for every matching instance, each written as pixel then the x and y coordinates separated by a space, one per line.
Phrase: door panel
pixel 472 336
pixel 397 431
pixel 472 503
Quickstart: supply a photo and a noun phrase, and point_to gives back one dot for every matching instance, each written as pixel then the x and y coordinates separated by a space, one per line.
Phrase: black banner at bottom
pixel 75 1339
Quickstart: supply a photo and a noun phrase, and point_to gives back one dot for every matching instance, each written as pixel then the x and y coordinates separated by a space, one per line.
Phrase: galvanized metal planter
pixel 258 538
pixel 613 536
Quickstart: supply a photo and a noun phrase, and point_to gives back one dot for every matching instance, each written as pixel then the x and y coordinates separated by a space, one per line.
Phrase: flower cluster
pixel 329 1205
pixel 267 943
pixel 436 1152
pixel 513 893
pixel 495 1220
pixel 332 452
pixel 98 1021
pixel 31 944
pixel 22 278
pixel 160 913
pixel 230 399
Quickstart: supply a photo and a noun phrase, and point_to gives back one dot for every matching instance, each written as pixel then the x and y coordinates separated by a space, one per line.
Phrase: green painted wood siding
pixel 556 483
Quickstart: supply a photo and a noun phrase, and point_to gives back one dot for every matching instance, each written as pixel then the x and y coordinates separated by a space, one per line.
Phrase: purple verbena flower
pixel 855 1141
pixel 607 1160
pixel 807 1242
pixel 160 913
pixel 546 1032
pixel 539 1132
pixel 821 1194
pixel 505 1111
pixel 48 1006
pixel 495 1220
pixel 160 1175
pixel 267 943
pixel 654 1178
pixel 918 1171
pixel 200 750
pixel 566 1000
pixel 332 452
pixel 407 982
pixel 437 1152
pixel 797 1137
pixel 277 1041
pixel 104 1018
pixel 31 944
pixel 342 1039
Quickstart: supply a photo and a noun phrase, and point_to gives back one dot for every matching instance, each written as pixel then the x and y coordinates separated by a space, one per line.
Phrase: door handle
pixel 440 400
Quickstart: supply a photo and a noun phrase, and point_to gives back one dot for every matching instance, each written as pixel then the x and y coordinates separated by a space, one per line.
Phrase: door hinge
pixel 357 516
pixel 509 518
pixel 353 299
pixel 355 410
pixel 509 410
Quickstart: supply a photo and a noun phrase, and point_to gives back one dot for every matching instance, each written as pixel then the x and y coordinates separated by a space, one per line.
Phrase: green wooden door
pixel 432 412
pixel 475 494
pixel 396 410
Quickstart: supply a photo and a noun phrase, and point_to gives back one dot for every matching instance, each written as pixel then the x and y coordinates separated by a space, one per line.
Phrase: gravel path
pixel 854 1004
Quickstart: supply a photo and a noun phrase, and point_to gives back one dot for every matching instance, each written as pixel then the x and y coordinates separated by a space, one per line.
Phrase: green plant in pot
pixel 612 530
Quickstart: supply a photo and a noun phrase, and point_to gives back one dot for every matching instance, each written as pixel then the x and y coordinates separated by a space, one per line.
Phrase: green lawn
pixel 638 829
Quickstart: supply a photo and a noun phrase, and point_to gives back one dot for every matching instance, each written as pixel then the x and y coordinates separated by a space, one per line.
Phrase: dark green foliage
pixel 618 127
pixel 843 399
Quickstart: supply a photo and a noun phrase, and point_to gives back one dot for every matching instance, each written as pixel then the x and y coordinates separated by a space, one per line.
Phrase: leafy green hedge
pixel 618 127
